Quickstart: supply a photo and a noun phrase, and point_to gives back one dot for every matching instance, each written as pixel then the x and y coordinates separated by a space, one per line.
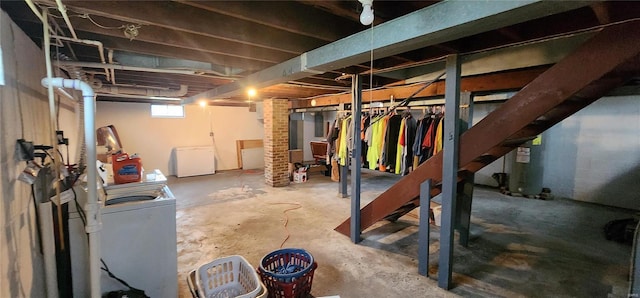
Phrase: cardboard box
pixel 300 177
pixel 296 155
pixel 437 215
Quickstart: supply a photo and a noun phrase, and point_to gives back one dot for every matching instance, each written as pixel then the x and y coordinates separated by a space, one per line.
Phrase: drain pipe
pixel 92 43
pixel 63 11
pixel 113 71
pixel 92 208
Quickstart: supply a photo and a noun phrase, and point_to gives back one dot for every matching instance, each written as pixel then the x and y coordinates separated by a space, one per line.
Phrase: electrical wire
pixel 371 72
pixel 286 220
pixel 105 268
pixel 88 17
pixel 406 101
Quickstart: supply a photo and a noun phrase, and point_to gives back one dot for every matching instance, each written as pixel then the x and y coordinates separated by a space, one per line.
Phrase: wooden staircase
pixel 606 61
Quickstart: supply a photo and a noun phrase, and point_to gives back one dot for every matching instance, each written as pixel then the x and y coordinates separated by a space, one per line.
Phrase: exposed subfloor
pixel 519 247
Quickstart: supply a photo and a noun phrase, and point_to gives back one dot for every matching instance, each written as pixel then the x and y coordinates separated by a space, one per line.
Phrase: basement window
pixel 167 111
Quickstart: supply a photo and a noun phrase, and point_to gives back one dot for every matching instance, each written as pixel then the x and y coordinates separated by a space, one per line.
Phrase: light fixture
pixel 203 103
pixel 313 102
pixel 131 31
pixel 251 92
pixel 366 17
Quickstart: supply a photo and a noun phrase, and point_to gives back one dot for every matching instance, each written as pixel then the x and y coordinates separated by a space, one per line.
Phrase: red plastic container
pixel 126 169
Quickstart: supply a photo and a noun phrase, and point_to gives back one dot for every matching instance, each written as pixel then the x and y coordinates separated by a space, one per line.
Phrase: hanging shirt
pixel 343 151
pixel 391 140
pixel 437 146
pixel 382 135
pixel 374 150
pixel 410 135
pixel 429 139
pixel 399 149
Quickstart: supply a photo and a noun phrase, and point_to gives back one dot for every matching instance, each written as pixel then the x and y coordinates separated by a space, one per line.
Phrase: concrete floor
pixel 519 247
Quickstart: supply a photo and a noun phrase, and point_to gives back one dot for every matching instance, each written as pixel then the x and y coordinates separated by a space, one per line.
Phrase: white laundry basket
pixel 228 277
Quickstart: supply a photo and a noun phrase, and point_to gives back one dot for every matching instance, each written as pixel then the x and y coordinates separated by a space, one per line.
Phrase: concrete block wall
pixel 594 155
pixel 24 113
pixel 276 142
pixel 154 139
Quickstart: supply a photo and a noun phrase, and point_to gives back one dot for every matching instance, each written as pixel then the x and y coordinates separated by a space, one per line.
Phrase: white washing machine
pixel 137 242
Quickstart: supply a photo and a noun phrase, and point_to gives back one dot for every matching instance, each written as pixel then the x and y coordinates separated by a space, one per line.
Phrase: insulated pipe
pixel 93 43
pixel 113 72
pixel 124 67
pixel 92 208
pixel 63 11
pixel 143 91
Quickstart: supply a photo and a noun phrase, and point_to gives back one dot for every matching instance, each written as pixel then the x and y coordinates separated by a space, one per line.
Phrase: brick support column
pixel 276 142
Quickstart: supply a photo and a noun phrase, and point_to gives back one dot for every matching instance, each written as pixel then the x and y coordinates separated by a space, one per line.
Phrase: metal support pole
pixel 465 195
pixel 449 170
pixel 356 162
pixel 634 289
pixel 424 229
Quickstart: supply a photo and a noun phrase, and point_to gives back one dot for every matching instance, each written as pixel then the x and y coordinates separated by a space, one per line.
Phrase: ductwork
pixel 142 91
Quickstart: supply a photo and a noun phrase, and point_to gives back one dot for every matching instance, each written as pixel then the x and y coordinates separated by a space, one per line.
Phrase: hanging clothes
pixel 429 138
pixel 410 135
pixel 332 136
pixel 374 149
pixel 382 136
pixel 400 148
pixel 391 141
pixel 421 134
pixel 437 146
pixel 365 147
pixel 342 147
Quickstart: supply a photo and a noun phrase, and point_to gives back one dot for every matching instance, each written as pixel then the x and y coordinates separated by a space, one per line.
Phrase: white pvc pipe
pixel 113 71
pixel 92 208
pixel 92 43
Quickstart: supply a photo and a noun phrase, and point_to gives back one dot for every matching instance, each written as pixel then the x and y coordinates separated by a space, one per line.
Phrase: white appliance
pixel 194 161
pixel 137 242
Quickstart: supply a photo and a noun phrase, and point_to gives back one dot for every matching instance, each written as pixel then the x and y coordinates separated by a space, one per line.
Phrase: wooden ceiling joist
pixel 503 81
pixel 180 17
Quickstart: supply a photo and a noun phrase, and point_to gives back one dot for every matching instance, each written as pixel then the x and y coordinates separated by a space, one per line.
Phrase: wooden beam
pixel 185 40
pixel 291 16
pixel 190 19
pixel 168 37
pixel 511 80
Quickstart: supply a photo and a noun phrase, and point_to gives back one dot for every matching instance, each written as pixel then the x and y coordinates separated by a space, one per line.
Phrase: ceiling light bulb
pixel 366 17
pixel 251 92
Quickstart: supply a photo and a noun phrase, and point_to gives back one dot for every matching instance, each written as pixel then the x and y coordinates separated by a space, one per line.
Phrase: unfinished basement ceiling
pixel 180 49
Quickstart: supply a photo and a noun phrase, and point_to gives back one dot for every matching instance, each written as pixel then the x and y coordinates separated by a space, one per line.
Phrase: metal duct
pixel 143 91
